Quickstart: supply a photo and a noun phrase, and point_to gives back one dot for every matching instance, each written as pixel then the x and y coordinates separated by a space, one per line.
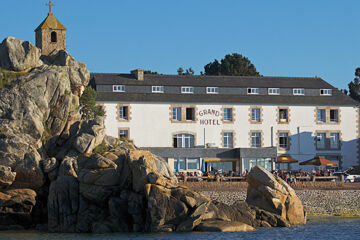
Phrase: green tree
pixel 354 86
pixel 188 71
pixel 231 65
pixel 150 72
pixel 180 71
pixel 88 108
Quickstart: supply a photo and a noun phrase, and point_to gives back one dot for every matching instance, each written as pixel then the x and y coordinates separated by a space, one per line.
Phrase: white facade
pixel 151 125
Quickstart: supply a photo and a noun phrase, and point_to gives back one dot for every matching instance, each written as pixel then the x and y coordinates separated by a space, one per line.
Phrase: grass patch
pixel 6 77
pixel 101 148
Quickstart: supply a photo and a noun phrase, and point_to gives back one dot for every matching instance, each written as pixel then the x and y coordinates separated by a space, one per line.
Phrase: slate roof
pixel 209 81
pixel 51 22
pixel 337 98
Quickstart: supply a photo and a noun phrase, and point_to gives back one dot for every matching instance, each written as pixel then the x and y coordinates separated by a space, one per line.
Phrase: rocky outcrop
pixel 18 55
pixel 94 183
pixel 36 112
pixel 274 195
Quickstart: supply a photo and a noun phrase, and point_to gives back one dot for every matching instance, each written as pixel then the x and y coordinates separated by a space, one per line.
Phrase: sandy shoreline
pixel 316 202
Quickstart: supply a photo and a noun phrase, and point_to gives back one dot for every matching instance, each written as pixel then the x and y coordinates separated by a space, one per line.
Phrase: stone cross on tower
pixel 50 4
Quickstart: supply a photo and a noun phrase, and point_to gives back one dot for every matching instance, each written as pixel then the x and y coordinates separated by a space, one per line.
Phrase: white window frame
pixel 318 116
pixel 176 114
pixel 157 89
pixel 298 91
pixel 325 92
pixel 228 117
pixel 253 91
pixel 124 131
pixel 321 137
pixel 186 140
pixel 286 136
pixel 118 88
pixel 193 161
pixel 254 137
pixel 212 90
pixel 188 90
pixel 256 115
pixel 334 140
pixel 228 140
pixel 122 115
pixel 274 91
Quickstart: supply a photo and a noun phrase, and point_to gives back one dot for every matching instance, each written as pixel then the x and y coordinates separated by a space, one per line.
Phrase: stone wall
pixel 43 40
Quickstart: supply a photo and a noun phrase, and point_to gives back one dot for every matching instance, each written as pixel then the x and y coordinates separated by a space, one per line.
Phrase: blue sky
pixel 303 38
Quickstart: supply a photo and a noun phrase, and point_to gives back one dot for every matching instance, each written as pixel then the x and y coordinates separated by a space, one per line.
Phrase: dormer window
pixel 118 88
pixel 253 91
pixel 274 91
pixel 325 92
pixel 187 89
pixel 298 91
pixel 212 90
pixel 158 89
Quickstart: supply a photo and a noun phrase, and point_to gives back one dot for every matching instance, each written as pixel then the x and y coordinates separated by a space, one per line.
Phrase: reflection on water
pixel 326 228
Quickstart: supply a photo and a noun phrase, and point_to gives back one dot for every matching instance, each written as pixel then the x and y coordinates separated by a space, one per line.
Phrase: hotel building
pixel 230 122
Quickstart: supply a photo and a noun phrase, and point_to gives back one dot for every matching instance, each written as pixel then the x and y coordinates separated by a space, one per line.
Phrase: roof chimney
pixel 139 74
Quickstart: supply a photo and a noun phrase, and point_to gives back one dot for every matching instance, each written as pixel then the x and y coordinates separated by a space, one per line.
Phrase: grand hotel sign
pixel 210 117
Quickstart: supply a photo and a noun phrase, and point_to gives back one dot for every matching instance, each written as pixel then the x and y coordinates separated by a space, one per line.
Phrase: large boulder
pixel 274 195
pixel 16 206
pixel 63 204
pixel 223 226
pixel 18 55
pixel 7 177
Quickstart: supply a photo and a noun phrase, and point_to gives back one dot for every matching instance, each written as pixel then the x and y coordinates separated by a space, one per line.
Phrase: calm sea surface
pixel 334 228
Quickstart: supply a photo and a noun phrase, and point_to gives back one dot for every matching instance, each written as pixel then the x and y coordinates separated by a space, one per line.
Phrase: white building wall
pixel 150 126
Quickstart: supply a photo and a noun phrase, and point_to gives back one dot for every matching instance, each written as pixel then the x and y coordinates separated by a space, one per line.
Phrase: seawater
pixel 317 228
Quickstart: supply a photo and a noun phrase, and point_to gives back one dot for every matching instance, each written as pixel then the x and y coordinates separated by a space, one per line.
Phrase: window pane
pixel 228 114
pixel 183 141
pixel 321 117
pixel 333 115
pixel 193 164
pixel 177 114
pixel 190 114
pixel 228 140
pixel 255 114
pixel 179 164
pixel 334 140
pixel 320 140
pixel 283 115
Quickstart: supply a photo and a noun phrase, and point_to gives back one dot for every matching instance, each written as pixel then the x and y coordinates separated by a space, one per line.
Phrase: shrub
pixel 88 108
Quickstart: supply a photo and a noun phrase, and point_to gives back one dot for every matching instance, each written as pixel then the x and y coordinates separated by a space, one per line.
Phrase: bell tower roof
pixel 50 22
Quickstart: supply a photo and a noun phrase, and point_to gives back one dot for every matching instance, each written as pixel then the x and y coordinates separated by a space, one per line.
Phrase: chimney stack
pixel 139 74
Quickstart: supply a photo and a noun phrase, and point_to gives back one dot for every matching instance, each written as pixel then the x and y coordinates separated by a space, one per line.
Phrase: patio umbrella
pixel 177 166
pixel 203 166
pixel 285 159
pixel 319 161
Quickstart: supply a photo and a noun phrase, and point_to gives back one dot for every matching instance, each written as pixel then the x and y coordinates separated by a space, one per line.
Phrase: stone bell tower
pixel 51 34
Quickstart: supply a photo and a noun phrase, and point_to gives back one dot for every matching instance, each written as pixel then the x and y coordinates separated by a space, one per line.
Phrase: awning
pixel 220 160
pixel 285 159
pixel 319 161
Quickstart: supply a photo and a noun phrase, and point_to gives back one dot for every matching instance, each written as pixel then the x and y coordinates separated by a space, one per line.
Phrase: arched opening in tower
pixel 53 37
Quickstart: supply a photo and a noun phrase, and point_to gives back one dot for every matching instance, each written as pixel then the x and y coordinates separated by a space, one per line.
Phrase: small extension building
pixel 230 122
